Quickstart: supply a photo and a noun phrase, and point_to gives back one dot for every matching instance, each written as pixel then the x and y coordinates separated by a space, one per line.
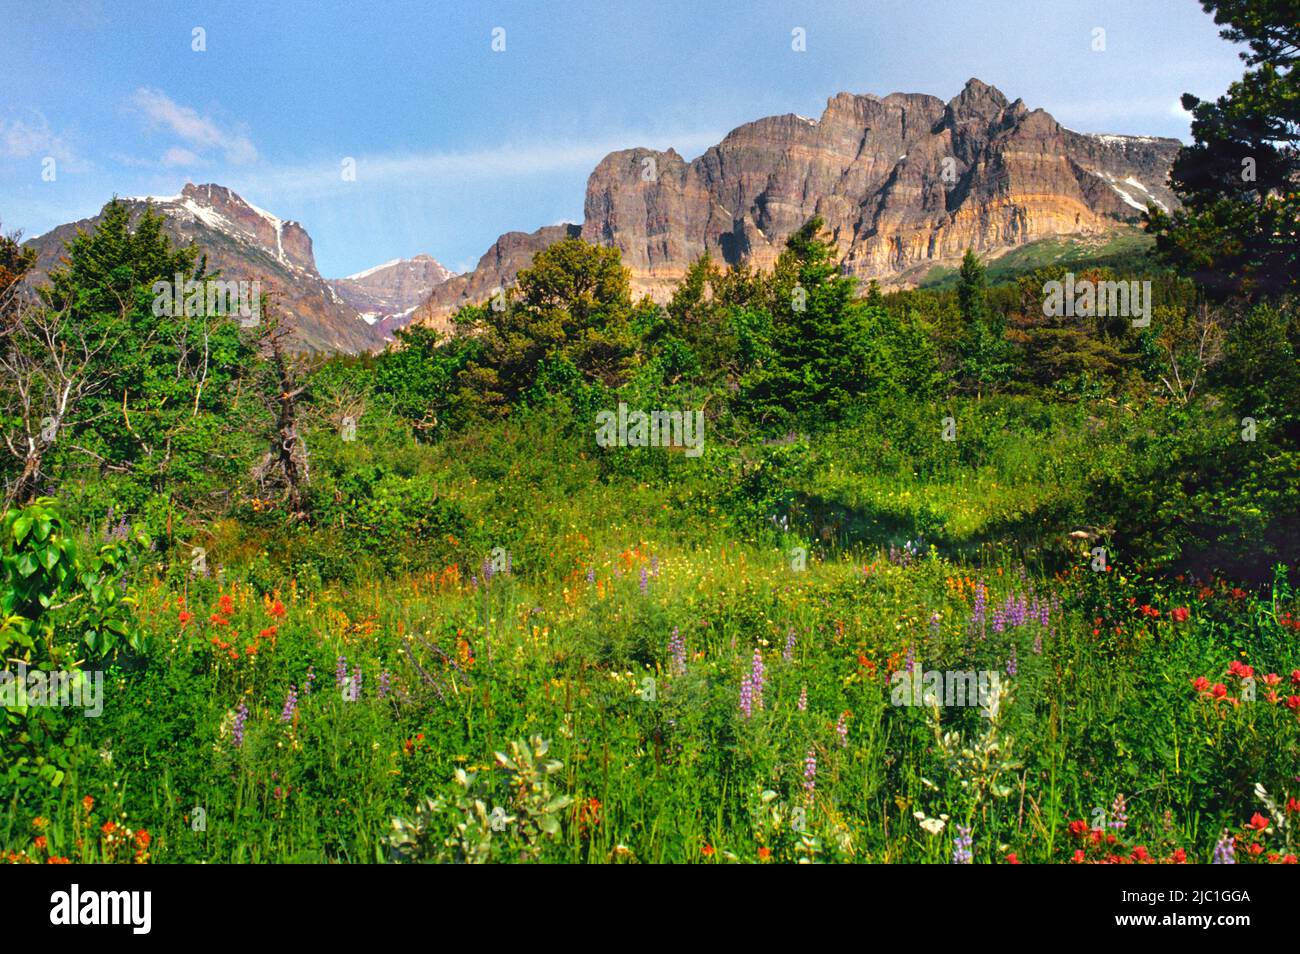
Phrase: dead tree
pixel 285 466
pixel 47 363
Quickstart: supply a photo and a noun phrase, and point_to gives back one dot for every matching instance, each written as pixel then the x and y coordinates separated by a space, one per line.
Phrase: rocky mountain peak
pixel 244 243
pixel 221 208
pixel 902 183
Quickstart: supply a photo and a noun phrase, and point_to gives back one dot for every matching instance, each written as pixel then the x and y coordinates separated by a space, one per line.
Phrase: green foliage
pixel 821 348
pixel 161 405
pixel 573 305
pixel 417 377
pixel 59 608
pixel 1238 231
pixel 985 356
pixel 513 809
pixel 48 586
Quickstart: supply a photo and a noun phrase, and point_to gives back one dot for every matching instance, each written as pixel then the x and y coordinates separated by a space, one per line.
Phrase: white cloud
pixel 200 133
pixel 20 140
pixel 177 157
pixel 507 161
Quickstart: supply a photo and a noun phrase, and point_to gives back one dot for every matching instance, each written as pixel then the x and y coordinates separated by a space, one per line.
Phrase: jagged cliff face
pixel 903 183
pixel 245 243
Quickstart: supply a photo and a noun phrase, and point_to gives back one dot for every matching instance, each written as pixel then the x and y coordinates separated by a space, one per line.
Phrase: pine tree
pixel 1238 231
pixel 823 348
pixel 985 355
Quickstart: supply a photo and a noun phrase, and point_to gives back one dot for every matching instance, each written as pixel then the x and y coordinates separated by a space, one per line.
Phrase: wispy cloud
pixel 179 157
pixel 22 140
pixel 520 160
pixel 200 133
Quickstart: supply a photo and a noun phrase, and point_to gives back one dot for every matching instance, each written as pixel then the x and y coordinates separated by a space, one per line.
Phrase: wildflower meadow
pixel 916 484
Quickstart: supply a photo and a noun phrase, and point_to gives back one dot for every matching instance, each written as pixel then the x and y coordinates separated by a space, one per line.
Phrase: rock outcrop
pixel 903 183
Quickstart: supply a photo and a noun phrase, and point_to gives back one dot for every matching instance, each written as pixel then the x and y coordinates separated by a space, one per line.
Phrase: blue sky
pixel 455 143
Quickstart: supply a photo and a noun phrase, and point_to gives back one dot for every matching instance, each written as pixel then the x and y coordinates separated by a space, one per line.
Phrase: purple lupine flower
pixel 340 672
pixel 935 620
pixel 654 566
pixel 910 662
pixel 961 847
pixel 354 690
pixel 1119 813
pixel 803 698
pixel 311 678
pixel 237 728
pixel 842 729
pixel 788 653
pixel 1225 853
pixel 383 684
pixel 677 647
pixel 487 570
pixel 1017 611
pixel 999 620
pixel 645 581
pixel 756 676
pixel 1011 663
pixel 746 697
pixel 591 574
pixel 120 532
pixel 473 581
pixel 810 773
pixel 978 608
pixel 290 705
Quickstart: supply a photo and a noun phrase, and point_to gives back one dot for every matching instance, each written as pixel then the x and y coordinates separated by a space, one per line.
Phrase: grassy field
pixel 644 658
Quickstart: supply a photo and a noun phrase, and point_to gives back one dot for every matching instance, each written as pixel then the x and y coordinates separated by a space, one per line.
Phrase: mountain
pixel 508 256
pixel 388 294
pixel 903 183
pixel 245 243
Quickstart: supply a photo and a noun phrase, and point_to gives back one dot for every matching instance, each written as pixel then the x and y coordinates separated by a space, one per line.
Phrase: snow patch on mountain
pixel 370 271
